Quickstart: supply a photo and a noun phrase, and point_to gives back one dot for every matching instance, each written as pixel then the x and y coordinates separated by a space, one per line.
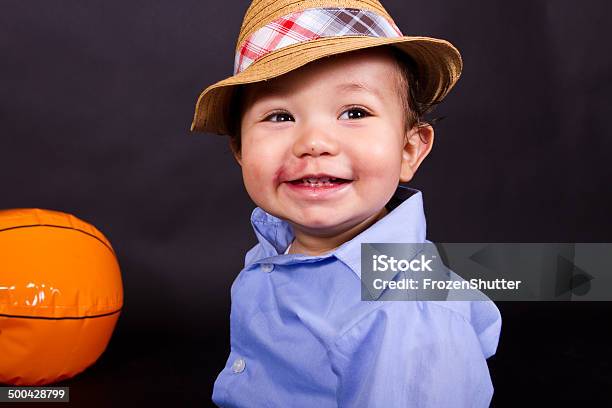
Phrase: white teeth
pixel 318 181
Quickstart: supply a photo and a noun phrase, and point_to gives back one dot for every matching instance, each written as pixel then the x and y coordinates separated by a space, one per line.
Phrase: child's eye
pixel 354 113
pixel 279 117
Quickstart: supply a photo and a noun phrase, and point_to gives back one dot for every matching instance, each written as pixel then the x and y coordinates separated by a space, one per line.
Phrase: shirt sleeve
pixel 415 354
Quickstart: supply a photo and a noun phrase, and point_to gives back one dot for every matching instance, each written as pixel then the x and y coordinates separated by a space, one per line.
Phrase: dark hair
pixel 236 106
pixel 409 90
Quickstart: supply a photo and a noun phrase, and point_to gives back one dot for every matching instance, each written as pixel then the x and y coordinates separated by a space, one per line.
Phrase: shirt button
pixel 267 267
pixel 239 365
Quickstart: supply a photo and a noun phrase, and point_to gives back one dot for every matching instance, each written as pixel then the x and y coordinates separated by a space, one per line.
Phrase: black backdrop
pixel 96 99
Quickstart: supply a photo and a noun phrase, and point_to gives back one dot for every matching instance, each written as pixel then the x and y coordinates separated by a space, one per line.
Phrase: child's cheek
pixel 253 184
pixel 252 173
pixel 379 161
pixel 258 174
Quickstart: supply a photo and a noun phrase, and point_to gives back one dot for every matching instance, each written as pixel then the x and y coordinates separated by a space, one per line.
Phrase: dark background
pixel 96 100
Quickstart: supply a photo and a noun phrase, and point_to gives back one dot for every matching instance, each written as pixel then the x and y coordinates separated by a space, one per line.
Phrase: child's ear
pixel 417 145
pixel 235 151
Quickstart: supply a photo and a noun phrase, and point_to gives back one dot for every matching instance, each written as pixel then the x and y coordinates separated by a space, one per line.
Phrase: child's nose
pixel 315 141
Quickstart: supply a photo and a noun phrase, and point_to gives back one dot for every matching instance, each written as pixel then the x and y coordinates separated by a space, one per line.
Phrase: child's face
pixel 340 118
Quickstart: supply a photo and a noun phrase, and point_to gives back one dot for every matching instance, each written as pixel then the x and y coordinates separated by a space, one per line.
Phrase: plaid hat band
pixel 311 24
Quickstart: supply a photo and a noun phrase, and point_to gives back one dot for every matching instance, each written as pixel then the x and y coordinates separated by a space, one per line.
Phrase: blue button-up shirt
pixel 302 337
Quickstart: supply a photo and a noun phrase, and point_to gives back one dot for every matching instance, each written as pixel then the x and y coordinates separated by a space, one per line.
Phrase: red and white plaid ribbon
pixel 309 25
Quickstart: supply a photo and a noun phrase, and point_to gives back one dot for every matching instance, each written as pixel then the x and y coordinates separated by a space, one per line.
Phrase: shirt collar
pixel 405 223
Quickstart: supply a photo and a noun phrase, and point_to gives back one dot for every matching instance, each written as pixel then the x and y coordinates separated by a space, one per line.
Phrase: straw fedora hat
pixel 278 36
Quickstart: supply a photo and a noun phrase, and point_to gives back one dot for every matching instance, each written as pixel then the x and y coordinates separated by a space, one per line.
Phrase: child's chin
pixel 323 226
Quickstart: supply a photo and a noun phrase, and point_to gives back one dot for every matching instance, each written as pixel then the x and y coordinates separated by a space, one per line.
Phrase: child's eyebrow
pixel 348 87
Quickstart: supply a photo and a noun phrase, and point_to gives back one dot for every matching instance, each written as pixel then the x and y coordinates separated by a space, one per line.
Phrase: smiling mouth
pixel 323 181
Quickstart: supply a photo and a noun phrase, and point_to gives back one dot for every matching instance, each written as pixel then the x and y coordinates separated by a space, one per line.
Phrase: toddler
pixel 325 117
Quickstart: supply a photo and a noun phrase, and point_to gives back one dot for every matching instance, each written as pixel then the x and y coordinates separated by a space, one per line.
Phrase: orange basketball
pixel 60 295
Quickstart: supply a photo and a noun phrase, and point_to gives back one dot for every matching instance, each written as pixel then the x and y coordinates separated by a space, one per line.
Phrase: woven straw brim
pixel 439 65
